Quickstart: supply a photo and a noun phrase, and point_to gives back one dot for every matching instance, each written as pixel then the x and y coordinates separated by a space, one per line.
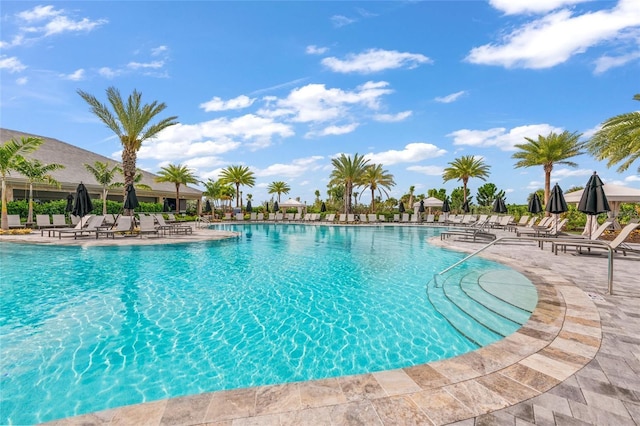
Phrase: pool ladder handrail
pixel 539 239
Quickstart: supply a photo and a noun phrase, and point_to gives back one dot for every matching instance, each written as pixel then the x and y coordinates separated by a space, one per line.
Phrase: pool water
pixel 86 329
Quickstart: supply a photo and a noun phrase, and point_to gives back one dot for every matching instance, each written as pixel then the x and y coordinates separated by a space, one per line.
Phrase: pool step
pixel 497 298
pixel 485 315
pixel 511 287
pixel 461 321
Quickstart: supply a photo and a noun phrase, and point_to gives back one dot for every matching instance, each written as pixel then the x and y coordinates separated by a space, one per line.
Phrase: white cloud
pixel 22 81
pixel 298 167
pixel 392 118
pixel 45 21
pixel 108 72
pixel 217 104
pixel 316 50
pixel 214 137
pixel 499 137
pixel 450 98
pixel 558 174
pixel 77 75
pixel 411 153
pixel 427 170
pixel 204 162
pixel 335 130
pixel 554 38
pixel 375 60
pixel 535 185
pixel 11 64
pixel 156 51
pixel 315 103
pixel 605 63
pixel 341 21
pixel 147 65
pixel 510 7
pixel 632 178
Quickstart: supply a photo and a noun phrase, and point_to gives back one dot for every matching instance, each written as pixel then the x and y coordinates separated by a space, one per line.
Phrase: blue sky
pixel 283 87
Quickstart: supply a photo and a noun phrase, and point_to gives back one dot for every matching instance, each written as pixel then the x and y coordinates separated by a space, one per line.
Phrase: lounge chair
pixel 14 221
pixel 173 228
pixel 362 218
pixel 87 225
pixel 382 218
pixel 617 244
pixel 43 221
pixel 260 217
pixel 330 217
pixel 372 217
pixel 240 217
pixel 122 225
pixel 351 218
pixel 405 217
pixel 430 219
pixel 253 216
pixel 342 218
pixel 442 218
pixel 396 217
pixel 147 225
pixel 523 220
pixel 59 221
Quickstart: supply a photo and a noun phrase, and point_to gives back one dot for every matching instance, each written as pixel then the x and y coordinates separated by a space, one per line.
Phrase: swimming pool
pixel 88 329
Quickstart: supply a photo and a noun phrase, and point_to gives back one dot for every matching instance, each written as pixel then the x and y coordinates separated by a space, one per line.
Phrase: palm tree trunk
pixel 104 201
pixel 177 198
pixel 30 214
pixel 464 189
pixel 5 224
pixel 237 195
pixel 373 201
pixel 347 197
pixel 547 186
pixel 129 172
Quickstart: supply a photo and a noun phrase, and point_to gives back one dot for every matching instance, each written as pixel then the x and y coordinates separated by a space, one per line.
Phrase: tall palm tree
pixel 177 174
pixel 104 174
pixel 348 173
pixel 546 151
pixel 11 152
pixel 465 168
pixel 35 171
pixel 131 122
pixel 238 175
pixel 278 187
pixel 377 179
pixel 618 141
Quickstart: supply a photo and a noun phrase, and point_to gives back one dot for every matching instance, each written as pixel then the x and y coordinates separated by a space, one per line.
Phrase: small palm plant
pixel 178 175
pixel 37 172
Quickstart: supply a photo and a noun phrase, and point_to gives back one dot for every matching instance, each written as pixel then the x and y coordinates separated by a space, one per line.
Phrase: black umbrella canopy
pixel 266 209
pixel 131 200
pixel 593 201
pixel 465 207
pixel 276 207
pixel 323 207
pixel 207 207
pixel 401 207
pixel 249 206
pixel 166 207
pixel 446 208
pixel 535 206
pixel 69 206
pixel 421 208
pixel 556 204
pixel 82 205
pixel 499 206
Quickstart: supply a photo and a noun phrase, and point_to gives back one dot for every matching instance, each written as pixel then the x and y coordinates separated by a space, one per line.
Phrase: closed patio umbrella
pixel 401 207
pixel 130 199
pixel 446 208
pixel 69 207
pixel 249 207
pixel 556 204
pixel 535 206
pixel 499 206
pixel 323 207
pixel 166 207
pixel 207 207
pixel 593 202
pixel 82 205
pixel 421 207
pixel 465 207
pixel 275 207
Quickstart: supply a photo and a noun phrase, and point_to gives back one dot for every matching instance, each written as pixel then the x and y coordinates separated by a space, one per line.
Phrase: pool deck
pixel 575 362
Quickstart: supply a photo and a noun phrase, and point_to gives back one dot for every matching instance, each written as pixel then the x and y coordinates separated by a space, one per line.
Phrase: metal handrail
pixel 543 239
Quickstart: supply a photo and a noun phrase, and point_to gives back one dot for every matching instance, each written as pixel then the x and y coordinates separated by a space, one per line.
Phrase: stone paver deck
pixel 576 361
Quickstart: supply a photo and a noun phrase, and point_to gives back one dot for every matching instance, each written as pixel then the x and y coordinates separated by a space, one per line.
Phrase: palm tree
pixel 547 151
pixel 278 187
pixel 35 171
pixel 238 175
pixel 465 168
pixel 104 174
pixel 131 122
pixel 376 178
pixel 347 172
pixel 618 140
pixel 11 152
pixel 178 175
pixel 412 189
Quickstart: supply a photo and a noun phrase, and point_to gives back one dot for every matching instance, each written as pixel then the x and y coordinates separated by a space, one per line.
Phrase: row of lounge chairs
pixel 154 224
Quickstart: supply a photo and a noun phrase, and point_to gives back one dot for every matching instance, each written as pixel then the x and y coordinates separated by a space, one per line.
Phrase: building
pixel 74 159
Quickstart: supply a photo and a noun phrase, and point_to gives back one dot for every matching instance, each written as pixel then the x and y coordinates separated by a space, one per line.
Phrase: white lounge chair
pixel 43 221
pixel 617 244
pixel 122 225
pixel 87 225
pixel 14 221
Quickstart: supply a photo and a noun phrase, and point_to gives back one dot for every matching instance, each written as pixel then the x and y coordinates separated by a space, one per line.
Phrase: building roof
pixel 74 159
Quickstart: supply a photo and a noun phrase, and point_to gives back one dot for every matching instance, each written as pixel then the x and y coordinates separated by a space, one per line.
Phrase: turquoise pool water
pixel 88 329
